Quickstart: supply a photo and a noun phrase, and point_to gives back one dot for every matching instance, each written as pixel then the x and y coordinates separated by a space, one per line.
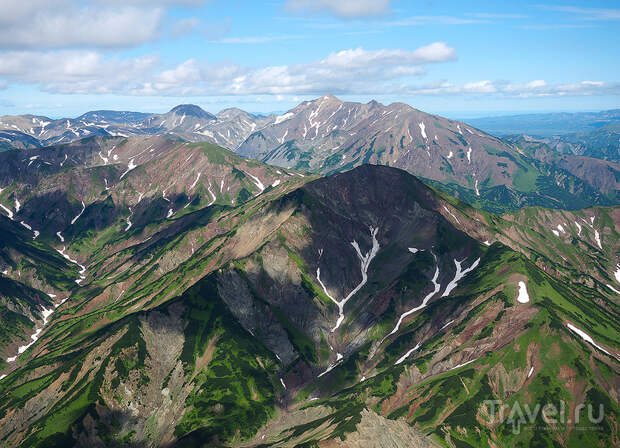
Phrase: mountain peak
pixel 192 110
pixel 331 97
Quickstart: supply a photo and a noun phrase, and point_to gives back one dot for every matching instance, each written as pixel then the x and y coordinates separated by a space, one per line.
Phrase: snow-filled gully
pixel 82 268
pixel 429 296
pixel 365 261
pixel 79 214
pixel 458 276
pixel 586 337
pixel 46 313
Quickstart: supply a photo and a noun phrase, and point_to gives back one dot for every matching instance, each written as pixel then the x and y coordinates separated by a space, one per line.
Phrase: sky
pixel 61 58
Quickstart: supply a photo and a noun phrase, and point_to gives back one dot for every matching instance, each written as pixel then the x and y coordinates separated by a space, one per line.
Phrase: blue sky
pixel 460 59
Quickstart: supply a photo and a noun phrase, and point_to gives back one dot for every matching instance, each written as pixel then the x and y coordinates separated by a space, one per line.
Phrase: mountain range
pixel 303 288
pixel 327 135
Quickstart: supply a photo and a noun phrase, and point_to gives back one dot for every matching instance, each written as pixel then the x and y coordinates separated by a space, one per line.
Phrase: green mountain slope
pixel 318 312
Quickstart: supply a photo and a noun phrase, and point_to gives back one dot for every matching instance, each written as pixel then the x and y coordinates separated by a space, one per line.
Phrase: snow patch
pixel 46 313
pixel 105 159
pixel 212 194
pixel 613 289
pixel 423 130
pixel 458 276
pixel 523 296
pixel 365 261
pixel 464 364
pixel 130 167
pixel 8 211
pixel 597 237
pixel 446 324
pixel 195 182
pixel 284 117
pixel 79 214
pixel 451 214
pixel 406 355
pixel 586 337
pixel 436 287
pixel 257 181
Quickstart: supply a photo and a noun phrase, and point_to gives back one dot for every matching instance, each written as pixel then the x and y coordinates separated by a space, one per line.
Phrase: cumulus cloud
pixel 49 24
pixel 356 58
pixel 72 71
pixel 352 71
pixel 346 9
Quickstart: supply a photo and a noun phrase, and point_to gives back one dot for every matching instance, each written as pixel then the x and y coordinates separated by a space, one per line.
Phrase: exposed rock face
pixel 375 431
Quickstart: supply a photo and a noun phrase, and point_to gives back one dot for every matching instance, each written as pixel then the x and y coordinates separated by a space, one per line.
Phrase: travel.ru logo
pixel 519 415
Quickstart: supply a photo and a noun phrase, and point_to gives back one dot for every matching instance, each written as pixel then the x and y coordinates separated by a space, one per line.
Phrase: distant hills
pixel 547 125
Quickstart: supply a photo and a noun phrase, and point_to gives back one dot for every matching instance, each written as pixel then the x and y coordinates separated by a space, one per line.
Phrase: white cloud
pixel 356 58
pixel 593 14
pixel 535 88
pixel 346 9
pixel 72 71
pixel 480 87
pixel 50 24
pixel 537 83
pixel 64 23
pixel 353 71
